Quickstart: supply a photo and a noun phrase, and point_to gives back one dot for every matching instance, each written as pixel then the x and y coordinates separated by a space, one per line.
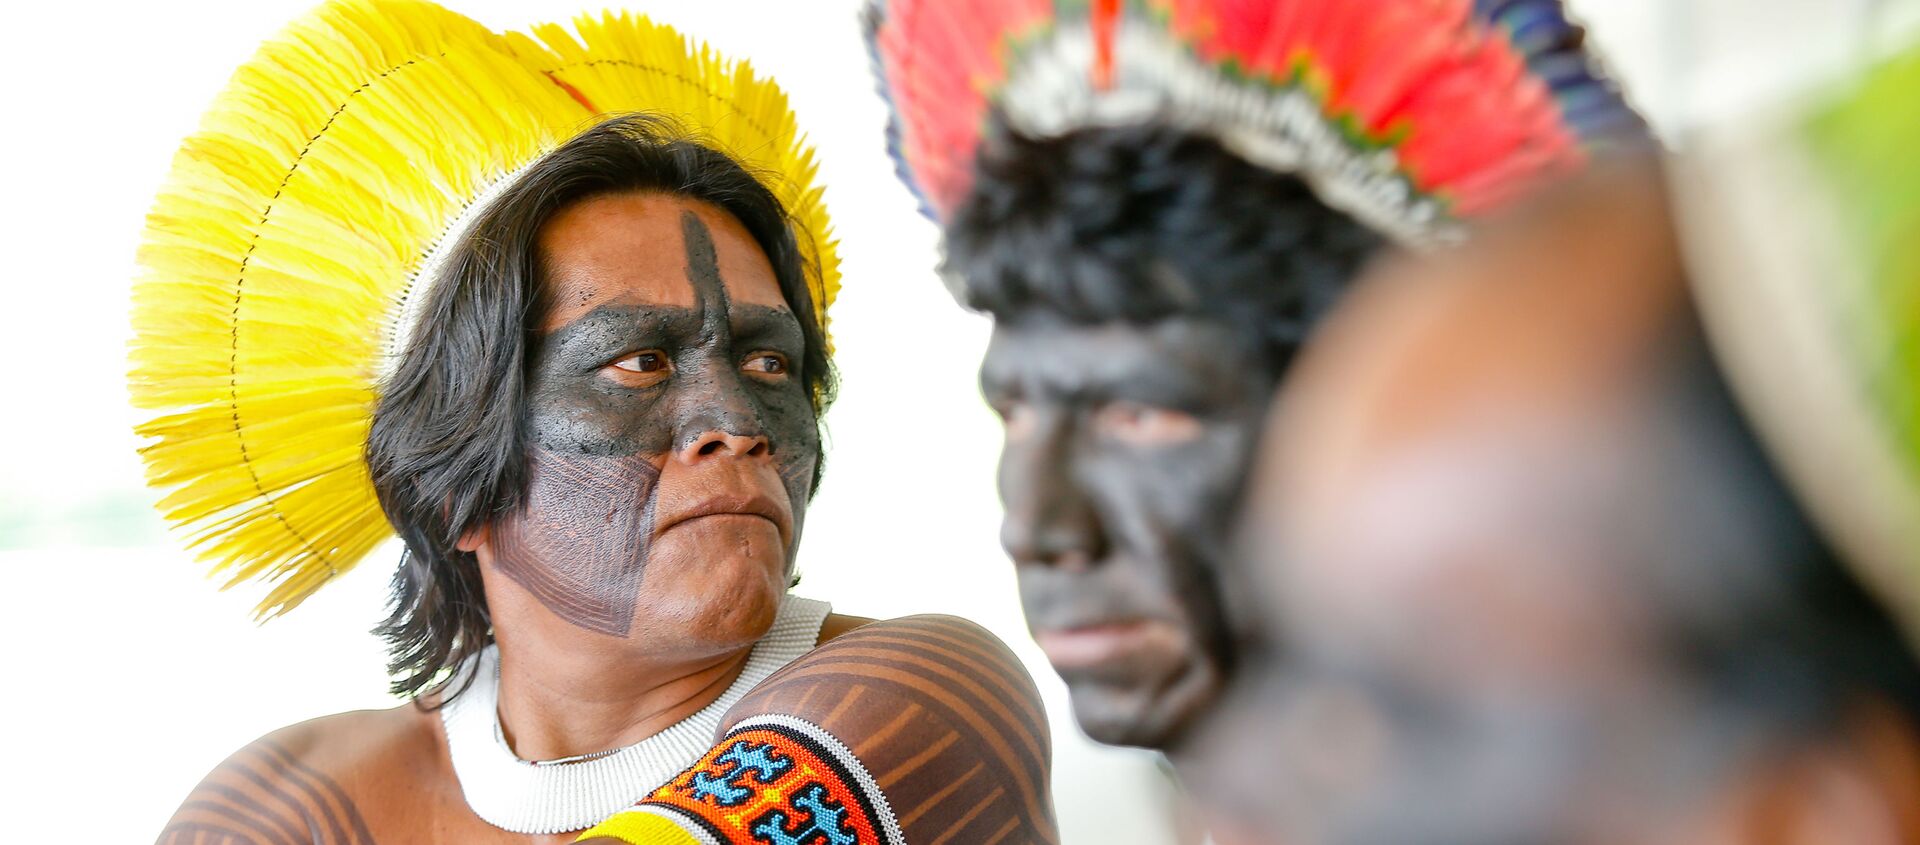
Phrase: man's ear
pixel 473 538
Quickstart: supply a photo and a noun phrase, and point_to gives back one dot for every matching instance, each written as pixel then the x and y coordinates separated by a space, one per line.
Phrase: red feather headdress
pixel 1408 114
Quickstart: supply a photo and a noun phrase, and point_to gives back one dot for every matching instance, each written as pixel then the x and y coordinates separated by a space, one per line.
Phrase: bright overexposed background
pixel 124 675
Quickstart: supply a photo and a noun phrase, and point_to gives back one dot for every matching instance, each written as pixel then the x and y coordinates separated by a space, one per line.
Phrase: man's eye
pixel 1144 425
pixel 767 364
pixel 644 362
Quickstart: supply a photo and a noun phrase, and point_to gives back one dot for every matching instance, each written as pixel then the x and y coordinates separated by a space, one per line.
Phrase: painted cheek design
pixel 579 542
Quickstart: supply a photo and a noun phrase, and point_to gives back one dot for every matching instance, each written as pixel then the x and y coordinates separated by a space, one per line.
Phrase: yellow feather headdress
pixel 299 224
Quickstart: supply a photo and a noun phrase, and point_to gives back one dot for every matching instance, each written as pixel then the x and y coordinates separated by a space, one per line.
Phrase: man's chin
pixel 729 602
pixel 697 626
pixel 1153 720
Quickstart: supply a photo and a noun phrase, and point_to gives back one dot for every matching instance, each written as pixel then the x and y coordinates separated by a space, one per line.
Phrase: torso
pixel 377 776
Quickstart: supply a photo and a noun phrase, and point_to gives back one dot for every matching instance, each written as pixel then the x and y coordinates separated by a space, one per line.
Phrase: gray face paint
pixel 1105 532
pixel 580 538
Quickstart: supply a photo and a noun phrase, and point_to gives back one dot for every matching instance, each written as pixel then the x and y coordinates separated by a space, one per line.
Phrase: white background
pixel 124 676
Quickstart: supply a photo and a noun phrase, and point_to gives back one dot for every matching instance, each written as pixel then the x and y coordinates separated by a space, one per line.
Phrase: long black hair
pixel 447 446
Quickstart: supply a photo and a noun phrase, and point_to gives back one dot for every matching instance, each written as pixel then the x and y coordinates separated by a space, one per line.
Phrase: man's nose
pixel 716 443
pixel 1049 519
pixel 719 420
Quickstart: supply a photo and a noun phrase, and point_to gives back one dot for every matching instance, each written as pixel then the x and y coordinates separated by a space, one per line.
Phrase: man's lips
pixel 727 504
pixel 1107 643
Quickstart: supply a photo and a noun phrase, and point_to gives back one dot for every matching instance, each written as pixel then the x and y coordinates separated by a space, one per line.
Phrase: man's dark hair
pixel 1135 223
pixel 447 446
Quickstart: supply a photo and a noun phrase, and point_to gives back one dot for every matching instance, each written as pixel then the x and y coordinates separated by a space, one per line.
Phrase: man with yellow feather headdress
pixel 553 307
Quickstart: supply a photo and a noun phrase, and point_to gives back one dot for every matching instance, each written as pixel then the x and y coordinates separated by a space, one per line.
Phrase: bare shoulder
pixel 304 783
pixel 940 712
pixel 943 656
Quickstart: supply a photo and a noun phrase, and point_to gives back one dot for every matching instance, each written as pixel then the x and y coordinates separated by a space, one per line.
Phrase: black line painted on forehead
pixel 703 273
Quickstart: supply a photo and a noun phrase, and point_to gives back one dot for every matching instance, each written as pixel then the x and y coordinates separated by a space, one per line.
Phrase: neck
pixel 563 701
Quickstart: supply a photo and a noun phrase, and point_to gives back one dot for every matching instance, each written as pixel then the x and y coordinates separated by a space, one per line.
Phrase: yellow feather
pixel 293 222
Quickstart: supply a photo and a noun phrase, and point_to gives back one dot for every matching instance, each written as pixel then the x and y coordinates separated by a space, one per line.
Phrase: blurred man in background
pixel 1156 202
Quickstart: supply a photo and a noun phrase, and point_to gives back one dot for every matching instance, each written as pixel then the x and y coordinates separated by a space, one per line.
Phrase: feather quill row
pixel 287 237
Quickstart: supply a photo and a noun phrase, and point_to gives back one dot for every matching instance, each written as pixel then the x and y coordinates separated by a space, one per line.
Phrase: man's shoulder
pixel 924 634
pixel 379 728
pixel 939 711
pixel 923 652
pixel 352 744
pixel 306 779
pixel 927 635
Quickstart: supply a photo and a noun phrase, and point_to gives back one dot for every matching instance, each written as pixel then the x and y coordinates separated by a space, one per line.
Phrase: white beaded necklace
pixel 559 796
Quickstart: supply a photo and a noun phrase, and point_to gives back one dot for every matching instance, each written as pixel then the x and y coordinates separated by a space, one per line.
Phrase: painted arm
pixel 262 795
pixel 923 730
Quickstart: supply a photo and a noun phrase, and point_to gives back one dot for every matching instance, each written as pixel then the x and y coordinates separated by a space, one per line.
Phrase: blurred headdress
pixel 1803 230
pixel 1407 114
pixel 287 254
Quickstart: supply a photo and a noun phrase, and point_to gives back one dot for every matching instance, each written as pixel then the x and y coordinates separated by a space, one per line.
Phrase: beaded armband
pixel 774 780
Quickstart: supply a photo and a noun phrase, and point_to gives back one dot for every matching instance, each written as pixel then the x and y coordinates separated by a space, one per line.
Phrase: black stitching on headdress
pixel 239 290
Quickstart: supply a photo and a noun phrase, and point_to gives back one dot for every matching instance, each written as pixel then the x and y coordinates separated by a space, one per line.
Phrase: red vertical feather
pixel 1106 20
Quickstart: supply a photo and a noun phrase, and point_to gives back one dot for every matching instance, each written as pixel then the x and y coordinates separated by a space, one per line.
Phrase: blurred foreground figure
pixel 1526 574
pixel 1156 201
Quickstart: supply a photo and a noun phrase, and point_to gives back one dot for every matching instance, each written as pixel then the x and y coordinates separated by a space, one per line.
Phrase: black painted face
pixel 1126 449
pixel 672 443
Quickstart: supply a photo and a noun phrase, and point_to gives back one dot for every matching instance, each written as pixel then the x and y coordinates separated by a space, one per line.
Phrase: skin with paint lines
pixel 264 793
pixel 942 716
pixel 579 543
